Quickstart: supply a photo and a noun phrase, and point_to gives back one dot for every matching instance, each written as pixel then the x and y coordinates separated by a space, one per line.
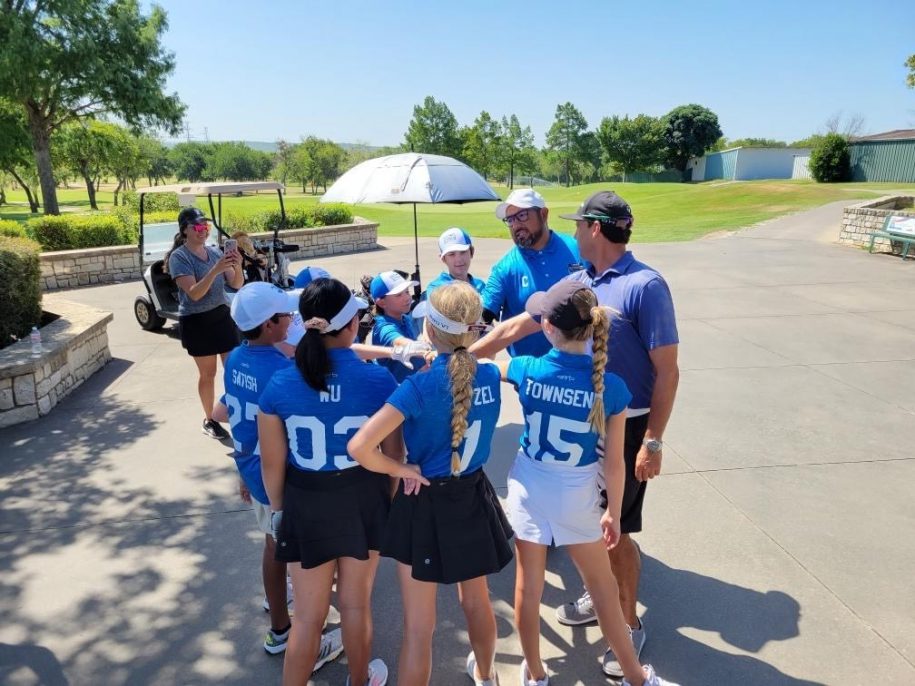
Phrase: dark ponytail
pixel 321 300
pixel 180 239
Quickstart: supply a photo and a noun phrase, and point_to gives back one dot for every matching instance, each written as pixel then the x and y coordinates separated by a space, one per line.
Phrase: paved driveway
pixel 779 542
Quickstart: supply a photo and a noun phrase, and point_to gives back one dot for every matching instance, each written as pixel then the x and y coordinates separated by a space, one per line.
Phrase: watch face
pixel 653 446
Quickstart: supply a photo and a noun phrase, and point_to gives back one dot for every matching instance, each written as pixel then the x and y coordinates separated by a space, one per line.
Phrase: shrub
pixel 153 202
pixel 20 297
pixel 68 232
pixel 12 229
pixel 130 222
pixel 329 215
pixel 830 160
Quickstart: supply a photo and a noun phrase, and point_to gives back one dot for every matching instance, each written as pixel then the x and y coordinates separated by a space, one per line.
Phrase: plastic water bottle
pixel 35 338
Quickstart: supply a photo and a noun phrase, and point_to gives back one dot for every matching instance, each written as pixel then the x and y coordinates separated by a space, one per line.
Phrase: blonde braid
pixel 600 325
pixel 459 302
pixel 462 369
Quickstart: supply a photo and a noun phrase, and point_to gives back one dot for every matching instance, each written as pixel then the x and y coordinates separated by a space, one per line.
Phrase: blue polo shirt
pixel 248 370
pixel 425 402
pixel 556 395
pixel 521 273
pixel 645 321
pixel 445 278
pixel 387 330
pixel 319 423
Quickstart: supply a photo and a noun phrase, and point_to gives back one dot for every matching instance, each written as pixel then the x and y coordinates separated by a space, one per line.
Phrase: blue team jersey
pixel 556 395
pixel 318 423
pixel 387 330
pixel 425 402
pixel 445 278
pixel 248 370
pixel 521 273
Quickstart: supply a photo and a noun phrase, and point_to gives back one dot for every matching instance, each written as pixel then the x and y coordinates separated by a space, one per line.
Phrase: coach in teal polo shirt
pixel 540 258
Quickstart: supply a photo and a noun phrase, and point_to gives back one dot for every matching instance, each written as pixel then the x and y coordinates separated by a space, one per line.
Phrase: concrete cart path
pixel 778 546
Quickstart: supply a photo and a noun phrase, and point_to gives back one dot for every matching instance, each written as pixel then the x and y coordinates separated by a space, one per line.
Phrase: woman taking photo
pixel 202 273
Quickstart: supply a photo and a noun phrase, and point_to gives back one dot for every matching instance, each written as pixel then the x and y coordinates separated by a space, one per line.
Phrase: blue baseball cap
pixel 389 283
pixel 309 274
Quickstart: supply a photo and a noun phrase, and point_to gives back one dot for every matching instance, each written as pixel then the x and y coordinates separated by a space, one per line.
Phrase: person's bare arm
pixel 271 435
pixel 229 263
pixel 366 446
pixel 504 334
pixel 667 378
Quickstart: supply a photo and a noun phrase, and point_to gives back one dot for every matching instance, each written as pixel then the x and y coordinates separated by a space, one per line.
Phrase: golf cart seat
pixel 165 287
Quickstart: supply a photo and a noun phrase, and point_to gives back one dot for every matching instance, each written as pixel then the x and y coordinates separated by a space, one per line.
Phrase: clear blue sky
pixel 353 70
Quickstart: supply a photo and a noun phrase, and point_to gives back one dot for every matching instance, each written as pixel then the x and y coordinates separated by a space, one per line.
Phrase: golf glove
pixel 403 353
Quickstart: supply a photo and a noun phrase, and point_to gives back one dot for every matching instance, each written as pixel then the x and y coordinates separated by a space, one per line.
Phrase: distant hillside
pixel 270 146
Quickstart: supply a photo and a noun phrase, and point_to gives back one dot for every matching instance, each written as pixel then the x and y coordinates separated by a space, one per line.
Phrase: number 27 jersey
pixel 319 423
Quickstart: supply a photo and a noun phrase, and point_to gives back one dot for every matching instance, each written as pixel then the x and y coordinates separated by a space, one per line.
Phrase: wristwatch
pixel 653 445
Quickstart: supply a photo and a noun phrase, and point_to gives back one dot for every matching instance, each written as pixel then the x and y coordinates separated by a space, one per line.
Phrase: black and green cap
pixel 603 206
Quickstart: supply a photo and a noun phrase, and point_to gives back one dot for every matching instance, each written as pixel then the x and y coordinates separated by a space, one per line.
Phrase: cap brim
pixel 292 299
pixel 456 248
pixel 400 288
pixel 363 305
pixel 421 309
pixel 502 206
pixel 534 304
pixel 573 217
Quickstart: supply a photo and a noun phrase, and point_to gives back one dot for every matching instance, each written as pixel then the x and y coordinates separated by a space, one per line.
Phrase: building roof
pixel 894 135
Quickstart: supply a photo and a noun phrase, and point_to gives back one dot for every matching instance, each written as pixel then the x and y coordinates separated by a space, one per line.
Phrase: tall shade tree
pixel 86 148
pixel 565 140
pixel 517 153
pixel 689 130
pixel 15 148
pixel 189 160
pixel 156 165
pixel 910 65
pixel 126 160
pixel 631 145
pixel 433 129
pixel 65 59
pixel 482 143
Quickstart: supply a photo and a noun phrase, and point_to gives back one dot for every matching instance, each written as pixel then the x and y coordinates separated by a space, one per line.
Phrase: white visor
pixel 344 316
pixel 441 322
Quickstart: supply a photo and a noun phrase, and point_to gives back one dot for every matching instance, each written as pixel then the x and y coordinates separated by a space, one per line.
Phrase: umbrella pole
pixel 417 290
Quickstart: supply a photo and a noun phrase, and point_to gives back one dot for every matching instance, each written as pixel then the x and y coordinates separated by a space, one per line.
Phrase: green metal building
pixel 886 156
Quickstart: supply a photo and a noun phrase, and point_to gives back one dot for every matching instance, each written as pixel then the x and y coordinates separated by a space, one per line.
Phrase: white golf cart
pixel 161 300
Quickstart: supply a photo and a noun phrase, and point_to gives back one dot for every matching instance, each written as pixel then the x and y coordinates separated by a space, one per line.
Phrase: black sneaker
pixel 214 429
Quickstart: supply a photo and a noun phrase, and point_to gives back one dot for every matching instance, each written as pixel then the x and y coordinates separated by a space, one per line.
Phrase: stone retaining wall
pixel 861 220
pixel 71 268
pixel 75 347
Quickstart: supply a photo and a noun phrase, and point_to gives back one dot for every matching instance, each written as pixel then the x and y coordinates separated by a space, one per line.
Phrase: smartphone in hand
pixel 231 245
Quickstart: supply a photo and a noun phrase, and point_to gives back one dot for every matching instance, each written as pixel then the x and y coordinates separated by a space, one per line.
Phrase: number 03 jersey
pixel 556 395
pixel 319 423
pixel 425 400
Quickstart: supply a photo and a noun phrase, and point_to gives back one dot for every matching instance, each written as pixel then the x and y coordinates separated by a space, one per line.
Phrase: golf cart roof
pixel 202 188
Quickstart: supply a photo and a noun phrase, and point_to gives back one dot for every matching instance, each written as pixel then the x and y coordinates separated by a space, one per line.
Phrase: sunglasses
pixel 520 216
pixel 202 227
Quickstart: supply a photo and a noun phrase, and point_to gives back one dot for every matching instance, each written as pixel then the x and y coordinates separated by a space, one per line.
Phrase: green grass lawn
pixel 663 211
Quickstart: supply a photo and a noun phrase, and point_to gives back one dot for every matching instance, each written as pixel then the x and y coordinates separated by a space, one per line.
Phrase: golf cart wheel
pixel 146 315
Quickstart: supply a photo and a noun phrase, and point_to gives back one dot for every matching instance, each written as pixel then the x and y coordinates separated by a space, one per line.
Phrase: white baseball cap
pixel 256 302
pixel 454 240
pixel 389 283
pixel 522 198
pixel 443 323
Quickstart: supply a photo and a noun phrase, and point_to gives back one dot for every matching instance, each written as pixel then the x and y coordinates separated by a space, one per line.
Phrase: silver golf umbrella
pixel 412 178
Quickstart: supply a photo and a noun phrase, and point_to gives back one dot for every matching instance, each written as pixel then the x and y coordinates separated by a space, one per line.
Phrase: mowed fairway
pixel 664 211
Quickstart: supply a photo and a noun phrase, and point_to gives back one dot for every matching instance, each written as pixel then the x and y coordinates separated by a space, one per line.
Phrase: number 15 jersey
pixel 556 395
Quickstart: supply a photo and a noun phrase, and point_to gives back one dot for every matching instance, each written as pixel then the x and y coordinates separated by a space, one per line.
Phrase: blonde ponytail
pixel 600 326
pixel 459 302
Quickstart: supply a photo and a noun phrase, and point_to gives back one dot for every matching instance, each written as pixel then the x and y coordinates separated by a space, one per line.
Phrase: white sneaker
pixel 331 647
pixel 652 679
pixel 611 665
pixel 289 599
pixel 472 672
pixel 378 673
pixel 528 680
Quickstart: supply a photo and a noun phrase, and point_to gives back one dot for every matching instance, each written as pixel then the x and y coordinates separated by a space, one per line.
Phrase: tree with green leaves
pixel 156 165
pixel 689 130
pixel 189 160
pixel 631 145
pixel 482 143
pixel 910 77
pixel 756 143
pixel 566 138
pixel 329 158
pixel 85 147
pixel 70 59
pixel 433 129
pixel 125 161
pixel 16 157
pixel 282 160
pixel 235 161
pixel 517 152
pixel 830 159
